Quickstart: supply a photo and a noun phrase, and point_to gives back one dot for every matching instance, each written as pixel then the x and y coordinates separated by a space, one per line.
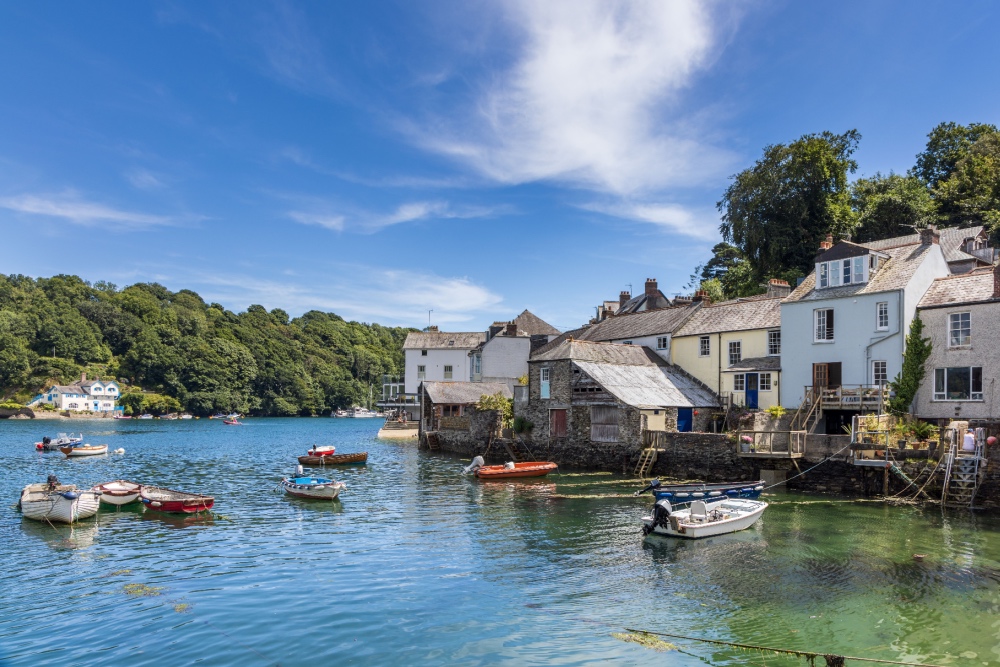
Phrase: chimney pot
pixel 778 287
pixel 83 377
pixel 433 327
pixel 623 298
pixel 511 329
pixel 930 236
pixel 702 296
pixel 650 286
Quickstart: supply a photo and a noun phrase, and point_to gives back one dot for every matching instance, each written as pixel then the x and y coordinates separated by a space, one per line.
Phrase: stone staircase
pixel 518 450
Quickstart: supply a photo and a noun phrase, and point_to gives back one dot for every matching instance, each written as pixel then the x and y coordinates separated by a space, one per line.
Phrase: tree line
pixel 776 213
pixel 191 354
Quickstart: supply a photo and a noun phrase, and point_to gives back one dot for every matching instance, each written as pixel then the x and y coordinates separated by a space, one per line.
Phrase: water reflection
pixel 178 520
pixel 61 536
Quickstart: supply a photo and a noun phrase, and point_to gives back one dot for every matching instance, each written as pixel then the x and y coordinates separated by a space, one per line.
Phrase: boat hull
pixel 84 450
pixel 119 492
pixel 177 502
pixel 739 515
pixel 66 504
pixel 682 494
pixel 311 487
pixel 525 469
pixel 333 459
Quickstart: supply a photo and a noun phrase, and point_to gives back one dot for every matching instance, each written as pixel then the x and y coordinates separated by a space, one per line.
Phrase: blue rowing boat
pixel 682 494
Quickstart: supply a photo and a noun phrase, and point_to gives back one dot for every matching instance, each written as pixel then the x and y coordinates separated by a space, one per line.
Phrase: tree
pixel 778 211
pixel 947 144
pixel 971 194
pixel 890 206
pixel 905 385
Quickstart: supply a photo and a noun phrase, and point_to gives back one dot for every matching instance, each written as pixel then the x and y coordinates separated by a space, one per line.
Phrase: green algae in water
pixel 182 607
pixel 120 572
pixel 141 590
pixel 645 639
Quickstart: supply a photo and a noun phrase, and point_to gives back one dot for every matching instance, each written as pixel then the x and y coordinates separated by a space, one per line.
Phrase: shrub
pixel 776 411
pixel 522 425
pixel 10 405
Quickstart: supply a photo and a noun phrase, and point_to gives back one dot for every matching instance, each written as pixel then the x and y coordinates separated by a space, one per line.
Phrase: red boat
pixel 511 471
pixel 322 450
pixel 232 422
pixel 166 500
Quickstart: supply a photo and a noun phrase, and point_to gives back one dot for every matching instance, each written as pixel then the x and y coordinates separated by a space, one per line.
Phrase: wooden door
pixel 557 423
pixel 821 375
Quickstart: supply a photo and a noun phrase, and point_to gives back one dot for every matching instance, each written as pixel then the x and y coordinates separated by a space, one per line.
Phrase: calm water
pixel 420 564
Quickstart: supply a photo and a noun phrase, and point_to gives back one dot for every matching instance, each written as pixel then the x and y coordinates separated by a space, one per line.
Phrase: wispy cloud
pixel 69 206
pixel 694 222
pixel 334 222
pixel 591 99
pixel 324 214
pixel 143 179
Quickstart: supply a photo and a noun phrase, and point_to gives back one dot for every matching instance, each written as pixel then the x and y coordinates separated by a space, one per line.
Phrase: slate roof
pixel 637 325
pixel 845 249
pixel 951 242
pixel 963 288
pixel 604 353
pixel 897 271
pixel 738 315
pixel 65 389
pixel 532 325
pixel 442 340
pixel 642 303
pixel 464 393
pixel 649 387
pixel 756 364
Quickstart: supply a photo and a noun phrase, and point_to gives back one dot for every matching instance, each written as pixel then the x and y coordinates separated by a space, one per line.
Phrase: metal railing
pixel 772 443
pixel 849 396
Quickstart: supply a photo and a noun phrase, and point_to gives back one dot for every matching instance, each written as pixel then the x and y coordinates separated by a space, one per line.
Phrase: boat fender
pixel 70 495
pixel 715 493
pixel 509 465
pixel 758 488
pixel 683 495
pixel 298 471
pixel 697 494
pixel 120 450
pixel 154 503
pixel 746 490
pixel 732 492
pixel 666 494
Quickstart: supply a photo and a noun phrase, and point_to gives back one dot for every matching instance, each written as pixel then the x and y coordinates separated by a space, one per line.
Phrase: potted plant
pixel 745 442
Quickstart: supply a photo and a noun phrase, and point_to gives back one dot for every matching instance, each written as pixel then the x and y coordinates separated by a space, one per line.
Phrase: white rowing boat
pixel 84 450
pixel 58 502
pixel 118 492
pixel 701 519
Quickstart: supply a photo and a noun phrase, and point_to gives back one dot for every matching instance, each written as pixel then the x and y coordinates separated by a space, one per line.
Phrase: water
pixel 422 565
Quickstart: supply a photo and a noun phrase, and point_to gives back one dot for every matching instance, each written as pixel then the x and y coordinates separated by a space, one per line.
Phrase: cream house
pixel 734 348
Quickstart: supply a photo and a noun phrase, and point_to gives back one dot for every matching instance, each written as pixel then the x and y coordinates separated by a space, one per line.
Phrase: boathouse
pixel 450 406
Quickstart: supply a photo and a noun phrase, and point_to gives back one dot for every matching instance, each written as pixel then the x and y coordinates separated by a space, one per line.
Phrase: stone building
pixel 450 406
pixel 597 394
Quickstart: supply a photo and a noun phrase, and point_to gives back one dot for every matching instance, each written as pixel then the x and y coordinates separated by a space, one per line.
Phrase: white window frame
pixel 764 382
pixel 964 329
pixel 421 372
pixel 543 382
pixel 662 342
pixel 449 372
pixel 875 373
pixel 739 382
pixel 941 383
pixel 820 330
pixel 739 351
pixel 882 316
pixel 846 270
pixel 859 269
pixel 704 346
pixel 823 275
pixel 774 343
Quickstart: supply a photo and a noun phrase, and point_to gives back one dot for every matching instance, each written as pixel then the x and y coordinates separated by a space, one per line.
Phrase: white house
pixel 503 357
pixel 843 328
pixel 82 396
pixel 438 356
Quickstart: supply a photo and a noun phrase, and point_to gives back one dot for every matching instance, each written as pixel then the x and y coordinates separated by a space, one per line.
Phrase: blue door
pixel 751 399
pixel 685 419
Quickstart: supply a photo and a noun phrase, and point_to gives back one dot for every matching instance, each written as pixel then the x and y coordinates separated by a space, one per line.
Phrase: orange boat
pixel 508 471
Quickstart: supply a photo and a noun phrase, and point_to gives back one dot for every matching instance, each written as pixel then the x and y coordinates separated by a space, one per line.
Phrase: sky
pixel 449 163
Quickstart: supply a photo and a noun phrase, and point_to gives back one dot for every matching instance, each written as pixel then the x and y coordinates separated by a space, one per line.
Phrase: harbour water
pixel 421 565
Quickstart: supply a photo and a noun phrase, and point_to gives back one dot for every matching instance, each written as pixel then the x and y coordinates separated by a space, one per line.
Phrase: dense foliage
pixel 200 356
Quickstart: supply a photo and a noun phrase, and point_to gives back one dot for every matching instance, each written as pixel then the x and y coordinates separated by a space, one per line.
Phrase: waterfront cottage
pixel 450 406
pixel 81 396
pixel 434 356
pixel 595 393
pixel 961 315
pixel 503 356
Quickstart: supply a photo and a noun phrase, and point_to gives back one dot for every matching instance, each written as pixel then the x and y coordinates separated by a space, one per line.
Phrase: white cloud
pixel 143 179
pixel 696 223
pixel 369 222
pixel 70 207
pixel 589 99
pixel 334 222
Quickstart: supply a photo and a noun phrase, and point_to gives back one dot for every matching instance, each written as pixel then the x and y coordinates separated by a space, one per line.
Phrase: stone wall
pixel 455 423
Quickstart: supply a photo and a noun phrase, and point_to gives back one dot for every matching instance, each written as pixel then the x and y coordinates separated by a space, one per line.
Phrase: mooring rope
pixel 831 658
pixel 785 481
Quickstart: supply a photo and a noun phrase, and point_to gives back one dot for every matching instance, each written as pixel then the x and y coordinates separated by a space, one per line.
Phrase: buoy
pixel 120 450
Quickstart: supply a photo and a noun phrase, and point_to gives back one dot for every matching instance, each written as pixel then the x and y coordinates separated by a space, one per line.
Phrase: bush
pixel 522 425
pixel 776 411
pixel 10 405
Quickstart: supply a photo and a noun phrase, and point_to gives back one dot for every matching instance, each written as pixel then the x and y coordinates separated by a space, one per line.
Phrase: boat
pixel 702 519
pixel 121 417
pixel 333 459
pixel 167 500
pixel 340 413
pixel 53 501
pixel 363 413
pixel 218 416
pixel 170 417
pixel 118 492
pixel 322 450
pixel 62 440
pixel 187 416
pixel 145 416
pixel 232 422
pixel 302 486
pixel 511 470
pixel 682 494
pixel 84 450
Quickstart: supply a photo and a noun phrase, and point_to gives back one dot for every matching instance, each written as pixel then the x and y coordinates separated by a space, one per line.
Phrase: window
pixel 958 384
pixel 626 342
pixel 477 364
pixel 421 372
pixel 882 316
pixel 774 343
pixel 735 352
pixel 662 342
pixel 543 375
pixel 765 382
pixel 447 372
pixel 847 272
pixel 823 320
pixel 451 410
pixel 704 346
pixel 739 383
pixel 880 376
pixel 859 269
pixel 423 353
pixel 823 280
pixel 835 274
pixel 959 329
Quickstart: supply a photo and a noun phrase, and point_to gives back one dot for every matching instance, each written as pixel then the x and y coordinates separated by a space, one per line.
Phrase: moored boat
pixel 513 470
pixel 322 450
pixel 62 440
pixel 334 459
pixel 168 500
pixel 53 501
pixel 232 422
pixel 145 416
pixel 187 416
pixel 702 519
pixel 121 417
pixel 320 488
pixel 84 450
pixel 118 492
pixel 682 494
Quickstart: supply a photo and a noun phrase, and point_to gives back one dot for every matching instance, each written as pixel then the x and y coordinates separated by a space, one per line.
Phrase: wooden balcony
pixel 771 444
pixel 861 397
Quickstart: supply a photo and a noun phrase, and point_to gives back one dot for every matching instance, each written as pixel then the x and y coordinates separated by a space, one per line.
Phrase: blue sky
pixel 384 159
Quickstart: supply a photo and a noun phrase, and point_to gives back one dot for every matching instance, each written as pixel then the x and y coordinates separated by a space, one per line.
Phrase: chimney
pixel 778 288
pixel 623 298
pixel 702 296
pixel 511 329
pixel 433 328
pixel 651 287
pixel 996 281
pixel 827 244
pixel 930 235
pixel 83 378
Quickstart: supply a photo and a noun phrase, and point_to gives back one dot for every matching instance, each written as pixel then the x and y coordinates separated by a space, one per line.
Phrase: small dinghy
pixel 84 450
pixel 333 459
pixel 53 501
pixel 682 494
pixel 322 450
pixel 232 422
pixel 49 445
pixel 118 492
pixel 301 486
pixel 167 500
pixel 511 470
pixel 702 519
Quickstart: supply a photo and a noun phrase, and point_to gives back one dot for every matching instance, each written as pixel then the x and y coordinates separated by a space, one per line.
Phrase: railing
pixel 850 396
pixel 771 443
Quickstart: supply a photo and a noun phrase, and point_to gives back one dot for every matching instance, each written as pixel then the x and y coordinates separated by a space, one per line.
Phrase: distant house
pixel 503 356
pixel 734 348
pixel 82 396
pixel 965 249
pixel 596 393
pixel 450 406
pixel 650 299
pixel 653 329
pixel 961 316
pixel 438 356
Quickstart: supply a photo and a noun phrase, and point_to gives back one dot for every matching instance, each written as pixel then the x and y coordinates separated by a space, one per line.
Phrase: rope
pixel 807 469
pixel 831 659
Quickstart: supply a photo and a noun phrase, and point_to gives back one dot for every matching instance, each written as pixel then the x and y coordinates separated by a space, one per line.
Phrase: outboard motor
pixel 476 464
pixel 46 440
pixel 661 516
pixel 299 472
pixel 53 482
pixel 655 484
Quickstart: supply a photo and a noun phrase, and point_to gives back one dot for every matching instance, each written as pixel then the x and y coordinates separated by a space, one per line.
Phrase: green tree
pixel 971 193
pixel 947 144
pixel 889 206
pixel 778 211
pixel 714 289
pixel 906 384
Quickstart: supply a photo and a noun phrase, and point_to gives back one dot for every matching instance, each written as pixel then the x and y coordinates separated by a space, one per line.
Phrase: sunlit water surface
pixel 421 564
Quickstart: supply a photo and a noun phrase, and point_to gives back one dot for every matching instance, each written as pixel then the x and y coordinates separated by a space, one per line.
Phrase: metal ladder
pixel 962 473
pixel 646 460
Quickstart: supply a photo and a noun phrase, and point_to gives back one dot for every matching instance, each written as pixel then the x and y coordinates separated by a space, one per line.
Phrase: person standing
pixel 969 442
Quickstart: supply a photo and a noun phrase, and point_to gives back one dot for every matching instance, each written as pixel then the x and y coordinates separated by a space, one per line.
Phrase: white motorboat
pixel 187 416
pixel 118 492
pixel 363 413
pixel 84 450
pixel 62 440
pixel 53 501
pixel 702 519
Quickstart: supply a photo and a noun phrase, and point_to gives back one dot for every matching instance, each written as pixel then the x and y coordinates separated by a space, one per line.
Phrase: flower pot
pixel 745 447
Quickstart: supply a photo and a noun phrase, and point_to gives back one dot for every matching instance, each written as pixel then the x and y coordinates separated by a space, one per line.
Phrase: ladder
pixel 961 475
pixel 518 450
pixel 646 460
pixel 433 443
pixel 809 413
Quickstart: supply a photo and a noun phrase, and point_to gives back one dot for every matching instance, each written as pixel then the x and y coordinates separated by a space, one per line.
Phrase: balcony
pixel 771 444
pixel 861 397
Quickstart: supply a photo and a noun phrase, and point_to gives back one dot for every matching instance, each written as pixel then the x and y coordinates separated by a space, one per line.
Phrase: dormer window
pixel 847 271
